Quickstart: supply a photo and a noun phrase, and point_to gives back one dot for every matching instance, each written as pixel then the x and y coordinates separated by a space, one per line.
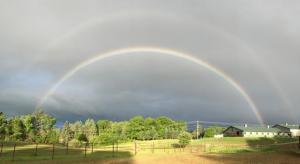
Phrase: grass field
pixel 207 149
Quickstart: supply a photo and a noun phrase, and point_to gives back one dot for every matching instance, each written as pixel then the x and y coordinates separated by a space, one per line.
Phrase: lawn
pixel 144 149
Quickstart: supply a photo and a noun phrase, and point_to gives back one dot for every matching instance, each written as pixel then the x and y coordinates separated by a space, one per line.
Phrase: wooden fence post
pixel 93 147
pixel 36 149
pixel 135 152
pixel 67 148
pixel 1 149
pixel 52 155
pixel 153 147
pixel 14 151
pixel 299 143
pixel 113 149
pixel 117 146
pixel 85 149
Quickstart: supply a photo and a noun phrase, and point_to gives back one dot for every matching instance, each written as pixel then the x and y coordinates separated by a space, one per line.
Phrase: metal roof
pixel 256 129
pixel 288 126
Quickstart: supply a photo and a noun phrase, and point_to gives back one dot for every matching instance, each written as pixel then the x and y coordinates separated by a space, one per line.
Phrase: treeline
pixel 40 127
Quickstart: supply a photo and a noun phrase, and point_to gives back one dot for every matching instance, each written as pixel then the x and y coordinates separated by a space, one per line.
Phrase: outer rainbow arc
pixel 164 51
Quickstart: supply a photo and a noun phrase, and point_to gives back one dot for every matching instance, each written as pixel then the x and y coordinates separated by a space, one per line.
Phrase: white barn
pixel 251 131
pixel 291 130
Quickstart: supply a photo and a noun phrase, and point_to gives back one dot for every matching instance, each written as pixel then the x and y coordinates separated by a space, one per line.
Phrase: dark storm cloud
pixel 255 42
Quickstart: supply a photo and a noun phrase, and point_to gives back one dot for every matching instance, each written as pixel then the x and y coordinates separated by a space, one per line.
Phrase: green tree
pixel 152 134
pixel 44 125
pixel 3 123
pixel 17 129
pixel 184 138
pixel 151 129
pixel 211 131
pixel 82 138
pixel 103 126
pixel 164 127
pixel 105 138
pixel 120 130
pixel 90 129
pixel 29 123
pixel 77 128
pixel 136 127
pixel 66 133
pixel 53 136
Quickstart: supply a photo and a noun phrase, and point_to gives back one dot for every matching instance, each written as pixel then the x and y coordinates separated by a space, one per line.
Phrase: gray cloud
pixel 255 42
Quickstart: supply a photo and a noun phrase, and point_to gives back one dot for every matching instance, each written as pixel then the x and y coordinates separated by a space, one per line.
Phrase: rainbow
pixel 159 50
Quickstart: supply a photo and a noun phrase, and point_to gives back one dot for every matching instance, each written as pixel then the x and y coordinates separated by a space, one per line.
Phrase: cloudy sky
pixel 256 43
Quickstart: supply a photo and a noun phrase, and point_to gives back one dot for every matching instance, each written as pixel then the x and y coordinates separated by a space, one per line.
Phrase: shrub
pixel 184 139
pixel 105 139
pixel 75 143
pixel 81 137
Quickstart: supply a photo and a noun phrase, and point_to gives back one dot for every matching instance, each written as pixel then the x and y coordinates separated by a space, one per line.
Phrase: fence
pixel 21 150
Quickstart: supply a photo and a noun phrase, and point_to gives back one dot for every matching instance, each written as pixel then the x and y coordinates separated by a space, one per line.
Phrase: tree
pixel 184 138
pixel 17 129
pixel 53 136
pixel 44 125
pixel 119 130
pixel 29 123
pixel 164 127
pixel 151 134
pixel 90 129
pixel 150 129
pixel 77 128
pixel 103 126
pixel 3 123
pixel 105 138
pixel 135 127
pixel 82 138
pixel 39 127
pixel 66 133
pixel 211 131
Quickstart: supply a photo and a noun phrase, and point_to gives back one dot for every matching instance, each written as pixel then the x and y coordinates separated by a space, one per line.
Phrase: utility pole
pixel 197 130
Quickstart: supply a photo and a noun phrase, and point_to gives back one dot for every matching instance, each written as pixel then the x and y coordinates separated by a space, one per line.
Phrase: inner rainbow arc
pixel 164 51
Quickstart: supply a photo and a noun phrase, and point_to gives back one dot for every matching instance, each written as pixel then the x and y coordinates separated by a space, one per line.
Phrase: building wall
pixel 260 134
pixel 295 132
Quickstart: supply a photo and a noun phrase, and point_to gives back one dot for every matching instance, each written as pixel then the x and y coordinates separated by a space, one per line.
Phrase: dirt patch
pixel 257 158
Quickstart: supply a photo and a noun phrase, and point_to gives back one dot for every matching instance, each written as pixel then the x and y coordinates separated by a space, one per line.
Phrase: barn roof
pixel 288 126
pixel 256 129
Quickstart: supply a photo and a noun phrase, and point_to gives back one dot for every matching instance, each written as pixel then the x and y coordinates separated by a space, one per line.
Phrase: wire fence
pixel 21 150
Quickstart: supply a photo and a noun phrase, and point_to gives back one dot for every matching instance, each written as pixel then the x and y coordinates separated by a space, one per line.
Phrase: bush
pixel 81 137
pixel 75 143
pixel 184 139
pixel 104 139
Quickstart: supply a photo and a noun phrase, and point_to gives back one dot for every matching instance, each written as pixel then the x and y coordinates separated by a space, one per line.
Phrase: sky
pixel 256 43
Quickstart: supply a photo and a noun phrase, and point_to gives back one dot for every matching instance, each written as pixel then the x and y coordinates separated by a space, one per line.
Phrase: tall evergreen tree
pixel 3 123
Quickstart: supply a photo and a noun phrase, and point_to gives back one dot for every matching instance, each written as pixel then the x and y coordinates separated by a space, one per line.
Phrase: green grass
pixel 234 150
pixel 126 150
pixel 243 140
